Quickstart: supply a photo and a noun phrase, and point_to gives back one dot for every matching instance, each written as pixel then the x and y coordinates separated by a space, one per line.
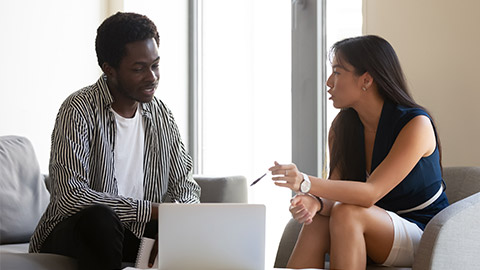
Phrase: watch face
pixel 305 186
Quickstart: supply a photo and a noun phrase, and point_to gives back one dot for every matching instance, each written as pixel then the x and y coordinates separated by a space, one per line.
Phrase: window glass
pixel 344 20
pixel 247 98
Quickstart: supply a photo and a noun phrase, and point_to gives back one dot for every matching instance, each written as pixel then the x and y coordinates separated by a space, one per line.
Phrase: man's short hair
pixel 118 30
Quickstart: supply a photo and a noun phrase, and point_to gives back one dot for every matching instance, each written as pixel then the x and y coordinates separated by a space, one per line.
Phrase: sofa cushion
pixel 14 248
pixel 36 261
pixel 23 195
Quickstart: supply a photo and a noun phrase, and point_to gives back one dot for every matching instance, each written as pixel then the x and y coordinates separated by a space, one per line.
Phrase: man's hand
pixel 153 253
pixel 154 215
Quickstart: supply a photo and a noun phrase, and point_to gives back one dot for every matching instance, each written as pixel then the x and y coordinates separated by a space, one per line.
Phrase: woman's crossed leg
pixel 349 234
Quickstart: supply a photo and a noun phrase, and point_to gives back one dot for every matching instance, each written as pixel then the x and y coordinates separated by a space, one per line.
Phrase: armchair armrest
pixel 287 243
pixel 451 239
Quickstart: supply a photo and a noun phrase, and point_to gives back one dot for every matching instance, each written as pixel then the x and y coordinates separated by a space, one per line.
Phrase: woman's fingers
pixel 299 212
pixel 295 200
pixel 302 216
pixel 286 175
pixel 282 169
pixel 284 184
pixel 302 209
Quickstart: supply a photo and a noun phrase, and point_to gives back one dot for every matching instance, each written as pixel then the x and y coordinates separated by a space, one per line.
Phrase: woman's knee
pixel 319 226
pixel 343 214
pixel 313 239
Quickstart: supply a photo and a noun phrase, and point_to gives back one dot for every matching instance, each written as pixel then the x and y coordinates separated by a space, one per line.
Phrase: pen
pixel 258 179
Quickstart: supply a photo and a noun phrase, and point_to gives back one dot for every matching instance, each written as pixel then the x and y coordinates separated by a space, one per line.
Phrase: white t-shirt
pixel 129 144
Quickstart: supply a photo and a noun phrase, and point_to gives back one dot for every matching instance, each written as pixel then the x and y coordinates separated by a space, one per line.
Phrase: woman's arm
pixel 328 203
pixel 304 207
pixel 415 140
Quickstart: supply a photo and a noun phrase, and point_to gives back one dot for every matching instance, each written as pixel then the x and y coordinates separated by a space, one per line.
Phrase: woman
pixel 384 148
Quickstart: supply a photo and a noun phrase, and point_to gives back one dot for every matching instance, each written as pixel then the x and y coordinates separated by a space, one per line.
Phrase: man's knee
pixel 99 234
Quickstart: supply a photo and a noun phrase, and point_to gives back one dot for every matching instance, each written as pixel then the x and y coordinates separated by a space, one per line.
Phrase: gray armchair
pixel 24 197
pixel 451 239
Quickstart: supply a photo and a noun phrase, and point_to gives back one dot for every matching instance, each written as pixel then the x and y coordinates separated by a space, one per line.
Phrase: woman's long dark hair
pixel 376 56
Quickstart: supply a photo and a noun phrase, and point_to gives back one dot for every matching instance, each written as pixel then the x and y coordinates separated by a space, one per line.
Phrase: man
pixel 116 154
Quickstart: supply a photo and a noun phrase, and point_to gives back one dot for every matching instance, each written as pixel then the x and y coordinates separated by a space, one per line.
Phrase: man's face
pixel 137 75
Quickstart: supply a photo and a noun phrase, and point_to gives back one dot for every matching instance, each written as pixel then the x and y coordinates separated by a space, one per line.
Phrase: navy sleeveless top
pixel 425 179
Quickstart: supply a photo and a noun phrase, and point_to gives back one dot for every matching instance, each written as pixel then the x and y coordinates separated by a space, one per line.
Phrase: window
pixel 246 98
pixel 243 96
pixel 240 60
pixel 344 20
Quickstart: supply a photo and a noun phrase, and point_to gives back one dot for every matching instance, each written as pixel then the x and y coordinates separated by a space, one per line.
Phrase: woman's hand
pixel 292 177
pixel 304 208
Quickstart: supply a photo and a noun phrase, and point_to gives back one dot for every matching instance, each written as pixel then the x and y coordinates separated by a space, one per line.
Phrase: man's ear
pixel 108 70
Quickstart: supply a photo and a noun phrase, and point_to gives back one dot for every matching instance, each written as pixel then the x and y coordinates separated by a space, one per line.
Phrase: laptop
pixel 213 236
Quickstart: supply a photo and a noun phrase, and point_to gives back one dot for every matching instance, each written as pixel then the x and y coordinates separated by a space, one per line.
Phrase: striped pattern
pixel 82 162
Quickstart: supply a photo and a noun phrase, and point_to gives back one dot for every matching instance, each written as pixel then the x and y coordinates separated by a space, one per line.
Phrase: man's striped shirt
pixel 82 162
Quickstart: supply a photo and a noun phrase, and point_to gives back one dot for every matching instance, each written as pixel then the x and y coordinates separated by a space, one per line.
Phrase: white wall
pixel 438 43
pixel 47 51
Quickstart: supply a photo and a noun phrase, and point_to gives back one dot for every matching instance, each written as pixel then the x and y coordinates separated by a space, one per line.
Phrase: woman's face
pixel 345 87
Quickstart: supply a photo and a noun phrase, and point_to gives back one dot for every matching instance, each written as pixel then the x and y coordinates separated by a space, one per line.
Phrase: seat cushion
pixel 36 261
pixel 23 195
pixel 14 248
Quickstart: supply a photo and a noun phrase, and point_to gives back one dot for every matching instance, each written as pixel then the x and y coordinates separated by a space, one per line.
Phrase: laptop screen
pixel 211 236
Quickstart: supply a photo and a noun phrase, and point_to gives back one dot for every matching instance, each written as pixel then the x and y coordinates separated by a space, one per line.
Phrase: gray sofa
pixel 451 239
pixel 24 196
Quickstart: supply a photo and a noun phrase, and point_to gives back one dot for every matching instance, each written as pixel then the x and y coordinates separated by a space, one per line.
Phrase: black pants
pixel 96 238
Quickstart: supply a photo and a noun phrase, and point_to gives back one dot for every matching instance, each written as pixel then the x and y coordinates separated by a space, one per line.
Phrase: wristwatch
pixel 306 184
